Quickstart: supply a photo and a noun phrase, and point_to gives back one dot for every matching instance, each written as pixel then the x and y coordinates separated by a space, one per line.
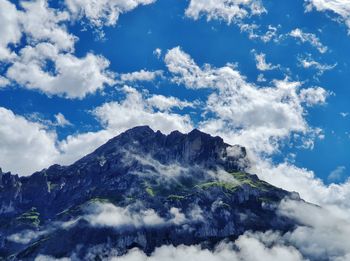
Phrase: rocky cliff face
pixel 141 189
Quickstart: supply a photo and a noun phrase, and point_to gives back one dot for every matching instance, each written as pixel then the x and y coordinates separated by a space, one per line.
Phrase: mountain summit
pixel 141 189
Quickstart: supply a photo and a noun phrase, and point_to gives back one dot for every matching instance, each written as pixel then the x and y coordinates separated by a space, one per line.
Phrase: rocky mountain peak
pixel 185 182
pixel 196 147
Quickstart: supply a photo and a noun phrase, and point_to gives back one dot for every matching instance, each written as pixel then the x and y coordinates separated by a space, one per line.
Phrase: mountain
pixel 141 189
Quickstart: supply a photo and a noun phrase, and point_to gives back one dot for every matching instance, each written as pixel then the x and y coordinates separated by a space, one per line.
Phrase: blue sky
pixel 129 44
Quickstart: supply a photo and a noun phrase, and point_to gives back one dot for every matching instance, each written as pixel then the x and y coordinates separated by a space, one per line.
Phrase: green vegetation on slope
pixel 31 217
pixel 226 185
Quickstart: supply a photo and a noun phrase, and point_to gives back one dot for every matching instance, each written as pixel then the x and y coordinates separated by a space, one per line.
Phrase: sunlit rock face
pixel 141 189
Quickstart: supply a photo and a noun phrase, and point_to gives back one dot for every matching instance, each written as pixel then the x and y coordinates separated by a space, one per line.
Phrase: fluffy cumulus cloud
pixel 313 96
pixel 42 23
pixel 27 145
pixel 105 12
pixel 75 146
pixel 37 21
pixel 138 110
pixel 46 60
pixel 70 76
pixel 24 146
pixel 9 30
pixel 255 117
pixel 226 10
pixel 339 7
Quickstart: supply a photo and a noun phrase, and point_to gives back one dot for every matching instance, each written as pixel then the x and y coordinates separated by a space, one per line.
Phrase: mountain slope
pixel 141 189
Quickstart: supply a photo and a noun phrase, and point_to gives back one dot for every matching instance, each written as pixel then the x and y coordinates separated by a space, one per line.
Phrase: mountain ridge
pixel 174 180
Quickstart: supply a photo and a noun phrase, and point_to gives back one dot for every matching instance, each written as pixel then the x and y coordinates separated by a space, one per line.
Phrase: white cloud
pixel 141 75
pixel 41 23
pixel 157 52
pixel 344 114
pixel 309 38
pixel 186 71
pixel 322 234
pixel 164 103
pixel 312 189
pixel 110 215
pixel 26 236
pixel 313 96
pixel 226 10
pixel 255 117
pixel 324 231
pixel 61 120
pixel 46 60
pixel 10 30
pixel 177 216
pixel 3 82
pixel 308 63
pixel 337 174
pixel 24 146
pixel 241 250
pixel 339 7
pixel 77 146
pixel 261 78
pixel 261 63
pixel 135 110
pixel 105 12
pixel 116 117
pixel 254 32
pixel 70 76
pixel 37 21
